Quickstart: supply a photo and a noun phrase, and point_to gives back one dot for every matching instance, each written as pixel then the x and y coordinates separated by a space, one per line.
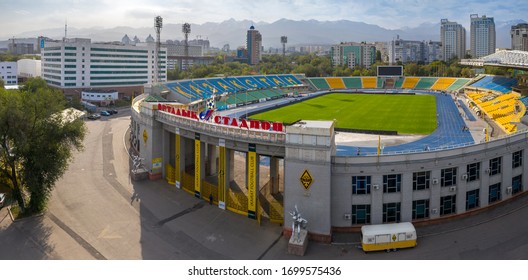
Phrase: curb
pixel 10 214
pixel 22 219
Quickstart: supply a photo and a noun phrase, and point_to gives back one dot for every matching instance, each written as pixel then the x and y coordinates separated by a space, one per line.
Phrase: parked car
pixel 2 199
pixel 94 116
pixel 112 112
pixel 105 113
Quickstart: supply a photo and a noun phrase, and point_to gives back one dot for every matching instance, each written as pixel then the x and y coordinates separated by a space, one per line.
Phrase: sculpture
pixel 136 162
pixel 298 223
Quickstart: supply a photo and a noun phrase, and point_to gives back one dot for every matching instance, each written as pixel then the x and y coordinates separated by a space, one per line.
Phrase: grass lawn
pixel 407 114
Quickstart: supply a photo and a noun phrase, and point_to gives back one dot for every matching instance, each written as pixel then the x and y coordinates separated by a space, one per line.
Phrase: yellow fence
pixel 170 174
pixel 276 213
pixel 208 189
pixel 188 183
pixel 237 202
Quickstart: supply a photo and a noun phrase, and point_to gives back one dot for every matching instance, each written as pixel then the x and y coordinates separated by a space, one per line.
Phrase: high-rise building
pixel 353 54
pixel 78 63
pixel 21 48
pixel 254 45
pixel 453 39
pixel 482 36
pixel 519 37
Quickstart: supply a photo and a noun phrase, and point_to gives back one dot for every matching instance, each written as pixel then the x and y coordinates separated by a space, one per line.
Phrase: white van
pixel 388 236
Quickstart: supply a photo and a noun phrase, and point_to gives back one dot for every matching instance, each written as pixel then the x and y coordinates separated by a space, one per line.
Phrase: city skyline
pixel 24 15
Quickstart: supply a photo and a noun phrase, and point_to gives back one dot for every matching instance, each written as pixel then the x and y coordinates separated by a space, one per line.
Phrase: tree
pixel 36 142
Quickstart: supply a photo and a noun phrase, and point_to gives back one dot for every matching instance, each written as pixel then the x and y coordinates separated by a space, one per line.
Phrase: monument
pixel 138 172
pixel 299 238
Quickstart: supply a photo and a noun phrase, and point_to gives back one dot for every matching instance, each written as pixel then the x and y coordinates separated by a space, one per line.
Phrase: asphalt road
pixel 97 212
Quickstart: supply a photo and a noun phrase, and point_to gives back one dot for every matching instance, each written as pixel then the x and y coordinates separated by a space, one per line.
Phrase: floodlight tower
pixel 186 29
pixel 284 40
pixel 158 24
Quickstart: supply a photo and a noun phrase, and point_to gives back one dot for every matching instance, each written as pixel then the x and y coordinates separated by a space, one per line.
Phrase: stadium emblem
pixel 145 136
pixel 306 179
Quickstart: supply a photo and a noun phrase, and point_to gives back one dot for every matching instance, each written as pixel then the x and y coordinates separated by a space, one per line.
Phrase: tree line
pixel 321 66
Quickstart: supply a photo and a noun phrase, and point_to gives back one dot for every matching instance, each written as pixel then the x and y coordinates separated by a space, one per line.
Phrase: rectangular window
pixel 421 180
pixel 517 184
pixel 495 166
pixel 448 177
pixel 420 209
pixel 517 159
pixel 473 171
pixel 360 184
pixel 494 193
pixel 447 205
pixel 360 214
pixel 472 199
pixel 391 212
pixel 391 183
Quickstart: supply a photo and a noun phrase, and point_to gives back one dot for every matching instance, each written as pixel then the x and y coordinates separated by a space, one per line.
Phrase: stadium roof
pixel 504 58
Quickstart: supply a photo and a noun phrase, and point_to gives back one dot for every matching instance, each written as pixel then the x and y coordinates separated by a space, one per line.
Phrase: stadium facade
pixel 335 191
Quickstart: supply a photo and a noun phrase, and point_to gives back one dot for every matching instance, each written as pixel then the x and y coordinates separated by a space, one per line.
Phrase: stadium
pixel 347 151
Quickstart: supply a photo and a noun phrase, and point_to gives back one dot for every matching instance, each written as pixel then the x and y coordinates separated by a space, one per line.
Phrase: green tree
pixel 36 142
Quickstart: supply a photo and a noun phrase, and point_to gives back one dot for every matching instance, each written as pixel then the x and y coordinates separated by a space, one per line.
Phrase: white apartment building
pixel 8 72
pixel 405 51
pixel 453 39
pixel 73 64
pixel 483 39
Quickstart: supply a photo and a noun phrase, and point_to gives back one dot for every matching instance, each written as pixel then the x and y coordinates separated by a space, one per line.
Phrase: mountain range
pixel 299 32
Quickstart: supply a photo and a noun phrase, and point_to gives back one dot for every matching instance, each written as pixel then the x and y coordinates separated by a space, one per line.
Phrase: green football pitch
pixel 407 114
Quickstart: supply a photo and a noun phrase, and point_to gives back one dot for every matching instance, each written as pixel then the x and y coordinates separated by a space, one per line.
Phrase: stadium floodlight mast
pixel 158 24
pixel 186 29
pixel 284 40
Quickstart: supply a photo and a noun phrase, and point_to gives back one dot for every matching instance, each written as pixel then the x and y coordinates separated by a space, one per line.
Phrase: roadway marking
pixel 107 234
pixel 87 246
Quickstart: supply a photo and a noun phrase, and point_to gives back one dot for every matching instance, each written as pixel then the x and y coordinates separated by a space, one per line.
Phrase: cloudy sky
pixel 17 16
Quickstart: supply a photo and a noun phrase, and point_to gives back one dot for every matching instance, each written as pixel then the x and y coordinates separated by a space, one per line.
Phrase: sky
pixel 17 16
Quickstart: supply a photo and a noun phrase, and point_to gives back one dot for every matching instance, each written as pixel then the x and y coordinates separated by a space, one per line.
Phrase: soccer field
pixel 407 114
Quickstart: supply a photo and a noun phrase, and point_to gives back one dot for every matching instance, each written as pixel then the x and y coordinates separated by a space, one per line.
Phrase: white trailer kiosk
pixel 387 236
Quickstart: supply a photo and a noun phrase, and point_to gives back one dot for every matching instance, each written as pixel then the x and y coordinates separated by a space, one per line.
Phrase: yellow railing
pixel 170 174
pixel 237 202
pixel 208 189
pixel 276 213
pixel 188 183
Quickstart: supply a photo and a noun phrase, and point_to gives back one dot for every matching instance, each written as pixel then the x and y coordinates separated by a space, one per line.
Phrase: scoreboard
pixel 390 71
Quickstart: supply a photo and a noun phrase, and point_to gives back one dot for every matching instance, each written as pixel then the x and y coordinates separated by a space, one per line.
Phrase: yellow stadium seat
pixel 335 83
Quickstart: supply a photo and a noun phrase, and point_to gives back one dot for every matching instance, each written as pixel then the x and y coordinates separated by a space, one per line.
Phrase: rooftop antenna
pixel 158 24
pixel 65 29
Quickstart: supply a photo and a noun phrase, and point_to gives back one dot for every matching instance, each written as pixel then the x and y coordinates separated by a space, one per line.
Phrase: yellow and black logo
pixel 306 179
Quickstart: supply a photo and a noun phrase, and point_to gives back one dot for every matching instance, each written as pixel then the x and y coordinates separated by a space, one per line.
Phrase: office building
pixel 8 72
pixel 482 35
pixel 519 37
pixel 73 64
